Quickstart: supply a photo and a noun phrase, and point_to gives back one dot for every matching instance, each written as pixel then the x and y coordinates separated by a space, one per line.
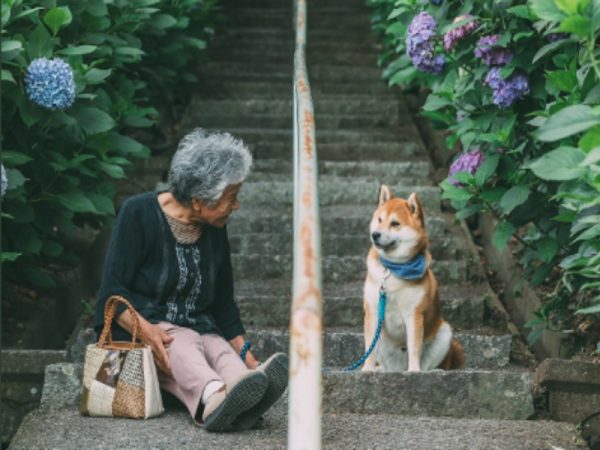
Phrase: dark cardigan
pixel 142 266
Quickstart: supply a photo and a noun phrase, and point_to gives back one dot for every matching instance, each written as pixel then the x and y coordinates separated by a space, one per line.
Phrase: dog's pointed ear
pixel 385 193
pixel 415 207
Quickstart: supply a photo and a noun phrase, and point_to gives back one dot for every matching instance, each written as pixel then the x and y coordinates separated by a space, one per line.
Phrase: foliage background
pixel 541 171
pixel 129 57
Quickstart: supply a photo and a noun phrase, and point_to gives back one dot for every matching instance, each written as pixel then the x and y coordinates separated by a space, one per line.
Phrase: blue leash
pixel 381 310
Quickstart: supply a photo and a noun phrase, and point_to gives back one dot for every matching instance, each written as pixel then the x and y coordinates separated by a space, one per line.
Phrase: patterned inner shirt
pixel 183 302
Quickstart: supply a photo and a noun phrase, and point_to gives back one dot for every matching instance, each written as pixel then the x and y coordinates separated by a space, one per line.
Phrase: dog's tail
pixel 455 358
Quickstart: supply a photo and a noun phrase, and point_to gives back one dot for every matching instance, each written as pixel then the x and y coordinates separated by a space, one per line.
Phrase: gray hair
pixel 205 164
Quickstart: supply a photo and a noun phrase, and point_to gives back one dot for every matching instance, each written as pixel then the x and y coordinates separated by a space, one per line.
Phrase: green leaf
pixel 102 204
pixel 92 120
pixel 15 178
pixel 163 21
pixel 39 43
pixel 546 10
pixel 96 8
pixel 591 139
pixel 15 158
pixel 589 310
pixel 95 76
pixel 38 278
pixel 10 46
pixel 578 25
pixel 76 201
pixel 563 80
pixel 7 76
pixel 547 249
pixel 9 256
pixel 568 6
pixel 487 168
pixel 502 233
pixel 515 196
pixel 593 157
pixel 130 51
pixel 521 11
pixel 78 50
pixel 493 195
pixel 559 165
pixel 57 18
pixel 455 193
pixel 549 48
pixel 435 102
pixel 51 248
pixel 566 122
pixel 112 170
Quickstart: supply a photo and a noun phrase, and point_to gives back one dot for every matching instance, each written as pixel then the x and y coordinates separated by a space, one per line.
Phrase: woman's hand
pixel 158 340
pixel 237 343
pixel 154 336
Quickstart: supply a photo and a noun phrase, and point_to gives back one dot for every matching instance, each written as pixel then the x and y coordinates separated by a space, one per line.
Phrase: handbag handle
pixel 109 314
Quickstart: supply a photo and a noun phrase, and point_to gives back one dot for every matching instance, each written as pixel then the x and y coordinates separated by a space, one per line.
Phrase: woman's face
pixel 218 214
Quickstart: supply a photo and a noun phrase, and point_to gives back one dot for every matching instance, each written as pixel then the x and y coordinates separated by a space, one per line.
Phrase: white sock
pixel 212 387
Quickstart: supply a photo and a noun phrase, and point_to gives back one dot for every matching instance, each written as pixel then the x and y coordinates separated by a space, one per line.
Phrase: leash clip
pixel 386 274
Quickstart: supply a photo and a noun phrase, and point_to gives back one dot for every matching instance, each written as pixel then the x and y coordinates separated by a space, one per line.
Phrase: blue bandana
pixel 410 270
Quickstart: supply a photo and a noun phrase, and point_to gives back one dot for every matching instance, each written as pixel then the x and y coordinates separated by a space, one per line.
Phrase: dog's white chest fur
pixel 402 300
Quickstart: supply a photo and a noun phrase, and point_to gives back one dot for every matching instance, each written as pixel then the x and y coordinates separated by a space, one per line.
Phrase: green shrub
pixel 61 164
pixel 531 109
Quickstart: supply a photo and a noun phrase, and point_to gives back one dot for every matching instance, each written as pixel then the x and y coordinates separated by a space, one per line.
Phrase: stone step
pixel 341 348
pixel 323 105
pixel 416 168
pixel 286 47
pixel 335 220
pixel 273 194
pixel 241 89
pixel 347 151
pixel 284 21
pixel 476 393
pixel 336 268
pixel 207 118
pixel 403 133
pixel 283 72
pixel 364 59
pixel 333 244
pixel 268 304
pixel 285 34
pixel 70 431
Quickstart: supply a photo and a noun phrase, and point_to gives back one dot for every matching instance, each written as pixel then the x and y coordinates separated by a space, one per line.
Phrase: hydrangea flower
pixel 492 54
pixel 452 37
pixel 421 32
pixel 506 92
pixel 553 37
pixel 4 181
pixel 466 162
pixel 436 2
pixel 49 83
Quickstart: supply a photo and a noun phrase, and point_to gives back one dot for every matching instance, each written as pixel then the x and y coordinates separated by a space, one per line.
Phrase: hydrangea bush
pixel 519 99
pixel 79 81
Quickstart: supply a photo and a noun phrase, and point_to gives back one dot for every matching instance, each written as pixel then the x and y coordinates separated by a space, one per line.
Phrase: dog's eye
pixel 379 219
pixel 395 224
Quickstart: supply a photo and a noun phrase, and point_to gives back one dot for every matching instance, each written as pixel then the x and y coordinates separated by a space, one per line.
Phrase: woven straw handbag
pixel 120 378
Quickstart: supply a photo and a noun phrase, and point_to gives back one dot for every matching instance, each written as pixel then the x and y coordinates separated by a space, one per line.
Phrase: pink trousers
pixel 196 359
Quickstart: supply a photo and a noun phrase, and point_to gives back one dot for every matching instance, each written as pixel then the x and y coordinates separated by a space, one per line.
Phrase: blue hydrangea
pixel 421 32
pixel 506 91
pixel 491 53
pixel 49 83
pixel 466 162
pixel 4 184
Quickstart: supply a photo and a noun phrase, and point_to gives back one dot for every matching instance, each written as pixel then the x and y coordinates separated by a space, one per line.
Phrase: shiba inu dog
pixel 414 337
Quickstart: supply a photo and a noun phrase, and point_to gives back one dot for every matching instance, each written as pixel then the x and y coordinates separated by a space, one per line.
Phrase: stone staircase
pixel 365 136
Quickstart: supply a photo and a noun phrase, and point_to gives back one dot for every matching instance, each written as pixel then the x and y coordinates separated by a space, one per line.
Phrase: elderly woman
pixel 169 256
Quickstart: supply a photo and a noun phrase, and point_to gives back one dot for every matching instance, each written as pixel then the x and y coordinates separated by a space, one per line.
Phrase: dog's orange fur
pixel 427 313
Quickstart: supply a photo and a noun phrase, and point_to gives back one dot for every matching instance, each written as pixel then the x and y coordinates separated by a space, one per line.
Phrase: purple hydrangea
pixel 491 53
pixel 49 83
pixel 506 91
pixel 436 2
pixel 553 37
pixel 421 32
pixel 452 37
pixel 4 181
pixel 466 162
